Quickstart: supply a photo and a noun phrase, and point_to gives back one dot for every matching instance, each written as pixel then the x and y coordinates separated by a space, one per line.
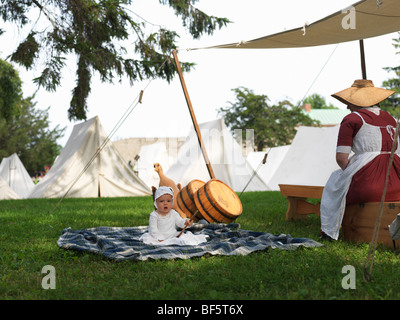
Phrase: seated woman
pixel 369 132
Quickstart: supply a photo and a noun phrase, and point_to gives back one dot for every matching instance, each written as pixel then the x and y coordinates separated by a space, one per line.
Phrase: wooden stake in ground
pixel 196 126
pixel 372 246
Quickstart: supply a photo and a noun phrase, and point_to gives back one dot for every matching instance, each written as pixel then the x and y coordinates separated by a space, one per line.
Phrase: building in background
pixel 327 117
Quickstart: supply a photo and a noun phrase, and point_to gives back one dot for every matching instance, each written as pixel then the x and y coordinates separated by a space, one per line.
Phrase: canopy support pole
pixel 196 126
pixel 363 69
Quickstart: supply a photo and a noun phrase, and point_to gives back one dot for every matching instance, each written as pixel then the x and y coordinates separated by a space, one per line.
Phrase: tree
pixel 28 135
pixel 318 102
pixel 95 31
pixel 10 91
pixel 23 129
pixel 273 125
pixel 392 104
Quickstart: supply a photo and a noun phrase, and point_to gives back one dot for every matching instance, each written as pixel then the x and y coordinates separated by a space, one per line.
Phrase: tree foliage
pixel 97 32
pixel 10 91
pixel 273 125
pixel 28 135
pixel 392 104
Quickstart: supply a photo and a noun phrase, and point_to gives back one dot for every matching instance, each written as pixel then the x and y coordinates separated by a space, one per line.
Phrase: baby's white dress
pixel 165 228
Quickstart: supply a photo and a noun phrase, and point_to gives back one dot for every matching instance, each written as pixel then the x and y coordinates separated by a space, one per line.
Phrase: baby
pixel 164 221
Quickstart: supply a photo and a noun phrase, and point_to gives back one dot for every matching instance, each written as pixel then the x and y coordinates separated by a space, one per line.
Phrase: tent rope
pixel 122 119
pixel 319 73
pixel 263 161
pixel 372 246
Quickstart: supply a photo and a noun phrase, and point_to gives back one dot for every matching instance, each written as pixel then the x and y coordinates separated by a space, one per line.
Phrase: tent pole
pixel 363 69
pixel 196 126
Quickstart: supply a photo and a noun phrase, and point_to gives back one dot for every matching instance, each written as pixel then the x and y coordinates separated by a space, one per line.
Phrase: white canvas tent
pixel 6 193
pixel 150 154
pixel 310 159
pixel 108 175
pixel 226 157
pixel 274 159
pixel 15 175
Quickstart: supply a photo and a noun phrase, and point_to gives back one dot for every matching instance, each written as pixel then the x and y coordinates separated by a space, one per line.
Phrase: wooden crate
pixel 359 222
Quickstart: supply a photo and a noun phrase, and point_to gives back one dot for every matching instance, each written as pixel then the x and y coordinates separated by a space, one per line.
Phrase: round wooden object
pixel 186 196
pixel 217 202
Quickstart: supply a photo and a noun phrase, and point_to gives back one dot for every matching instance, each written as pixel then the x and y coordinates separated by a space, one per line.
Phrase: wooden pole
pixel 363 69
pixel 196 126
pixel 191 219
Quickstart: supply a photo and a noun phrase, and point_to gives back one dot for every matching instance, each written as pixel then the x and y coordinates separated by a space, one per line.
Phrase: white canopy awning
pixel 366 19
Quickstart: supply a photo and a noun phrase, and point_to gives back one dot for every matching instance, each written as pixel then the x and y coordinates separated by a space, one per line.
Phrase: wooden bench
pixel 298 207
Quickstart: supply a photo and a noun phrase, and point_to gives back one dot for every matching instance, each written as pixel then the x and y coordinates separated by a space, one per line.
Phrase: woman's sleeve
pixel 347 131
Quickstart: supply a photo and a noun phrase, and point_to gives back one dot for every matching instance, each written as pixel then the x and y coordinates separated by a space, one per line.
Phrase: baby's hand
pixel 188 222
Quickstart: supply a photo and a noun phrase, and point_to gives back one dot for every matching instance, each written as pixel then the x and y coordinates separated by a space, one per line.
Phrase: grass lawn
pixel 28 242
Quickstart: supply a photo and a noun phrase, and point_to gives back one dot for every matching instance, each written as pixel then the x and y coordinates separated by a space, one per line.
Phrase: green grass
pixel 28 242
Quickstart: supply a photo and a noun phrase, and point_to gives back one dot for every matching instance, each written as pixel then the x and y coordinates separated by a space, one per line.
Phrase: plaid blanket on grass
pixel 122 243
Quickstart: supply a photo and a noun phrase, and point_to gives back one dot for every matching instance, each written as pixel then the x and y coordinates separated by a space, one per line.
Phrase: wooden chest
pixel 359 222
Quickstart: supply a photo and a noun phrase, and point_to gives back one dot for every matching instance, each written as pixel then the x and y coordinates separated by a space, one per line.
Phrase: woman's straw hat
pixel 362 94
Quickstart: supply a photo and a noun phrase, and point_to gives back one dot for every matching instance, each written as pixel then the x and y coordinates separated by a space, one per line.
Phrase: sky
pixel 278 73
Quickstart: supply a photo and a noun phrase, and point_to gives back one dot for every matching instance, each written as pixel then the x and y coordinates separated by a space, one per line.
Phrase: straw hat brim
pixel 362 96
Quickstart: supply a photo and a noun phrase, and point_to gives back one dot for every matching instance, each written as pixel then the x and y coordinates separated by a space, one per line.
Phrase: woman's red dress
pixel 368 183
